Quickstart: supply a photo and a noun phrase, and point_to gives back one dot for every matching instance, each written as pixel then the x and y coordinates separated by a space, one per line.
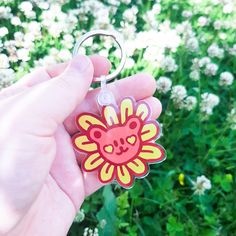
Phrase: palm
pixel 63 192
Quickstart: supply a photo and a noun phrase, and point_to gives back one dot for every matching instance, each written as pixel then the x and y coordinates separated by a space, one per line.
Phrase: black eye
pixel 122 141
pixel 116 143
pixel 97 134
pixel 133 125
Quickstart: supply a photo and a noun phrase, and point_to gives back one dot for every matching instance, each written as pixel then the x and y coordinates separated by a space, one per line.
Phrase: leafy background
pixel 197 143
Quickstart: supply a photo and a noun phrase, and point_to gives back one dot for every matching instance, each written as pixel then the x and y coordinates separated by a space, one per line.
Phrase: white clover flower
pixel 190 103
pixel 129 15
pixel 156 8
pixel 231 119
pixel 164 84
pixel 203 21
pixel 192 44
pixel 168 64
pixel 228 8
pixel 4 61
pixel 194 75
pixel 204 61
pixel 211 69
pixel 165 38
pixel 105 53
pixel 15 20
pixel 150 16
pixel 217 24
pixel 187 14
pixel 79 216
pixel 90 232
pixel 232 51
pixel 153 55
pixel 145 39
pixel 86 231
pixel 68 41
pixel 5 12
pixel 53 52
pixel 7 77
pixel 42 5
pixel 222 35
pixel 56 29
pixel 178 94
pixel 26 6
pixel 64 55
pixel 208 102
pixel 28 42
pixel 19 39
pixel 102 20
pixel 129 32
pixel 215 51
pixel 129 63
pixel 201 185
pixel 3 31
pixel 57 22
pixel 23 54
pixel 125 1
pixel 195 64
pixel 46 61
pixel 226 79
pixel 33 28
pixel 184 27
pixel 11 50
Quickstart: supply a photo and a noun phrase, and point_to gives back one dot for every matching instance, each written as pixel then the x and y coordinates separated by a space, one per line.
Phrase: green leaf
pixel 174 227
pixel 107 213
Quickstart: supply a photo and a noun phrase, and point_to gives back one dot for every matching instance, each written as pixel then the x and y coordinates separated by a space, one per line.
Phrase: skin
pixel 41 184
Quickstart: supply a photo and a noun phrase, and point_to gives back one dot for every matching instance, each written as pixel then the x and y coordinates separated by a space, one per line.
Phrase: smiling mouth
pixel 122 151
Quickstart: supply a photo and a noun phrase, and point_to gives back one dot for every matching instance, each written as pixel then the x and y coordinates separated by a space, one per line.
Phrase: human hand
pixel 41 184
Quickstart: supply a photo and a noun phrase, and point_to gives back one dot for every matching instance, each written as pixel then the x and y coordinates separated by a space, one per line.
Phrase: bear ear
pixel 134 123
pixel 97 133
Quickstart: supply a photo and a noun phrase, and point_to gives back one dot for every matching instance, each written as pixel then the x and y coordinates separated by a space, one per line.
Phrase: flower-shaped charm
pixel 120 143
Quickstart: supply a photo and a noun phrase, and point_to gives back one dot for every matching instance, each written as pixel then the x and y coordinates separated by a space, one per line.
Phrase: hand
pixel 41 184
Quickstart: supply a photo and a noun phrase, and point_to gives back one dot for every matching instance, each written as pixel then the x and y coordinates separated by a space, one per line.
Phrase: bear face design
pixel 120 143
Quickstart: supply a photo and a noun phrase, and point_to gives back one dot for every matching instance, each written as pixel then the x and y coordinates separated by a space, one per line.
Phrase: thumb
pixel 58 97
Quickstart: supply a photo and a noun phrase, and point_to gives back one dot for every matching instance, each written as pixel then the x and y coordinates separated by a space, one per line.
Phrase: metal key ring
pixel 117 37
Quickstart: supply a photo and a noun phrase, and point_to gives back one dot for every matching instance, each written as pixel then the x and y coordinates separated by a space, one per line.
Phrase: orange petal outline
pixel 126 109
pixel 123 176
pixel 106 173
pixel 138 167
pixel 152 152
pixel 85 120
pixel 92 162
pixel 110 115
pixel 150 131
pixel 83 144
pixel 143 110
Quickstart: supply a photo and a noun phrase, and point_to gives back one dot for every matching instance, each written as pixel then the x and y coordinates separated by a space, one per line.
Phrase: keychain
pixel 120 142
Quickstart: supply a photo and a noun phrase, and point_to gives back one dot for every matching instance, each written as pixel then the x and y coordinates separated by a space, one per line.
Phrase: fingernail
pixel 80 63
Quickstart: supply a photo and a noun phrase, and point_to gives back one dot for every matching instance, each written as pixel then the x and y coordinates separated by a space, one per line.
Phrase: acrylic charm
pixel 120 142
